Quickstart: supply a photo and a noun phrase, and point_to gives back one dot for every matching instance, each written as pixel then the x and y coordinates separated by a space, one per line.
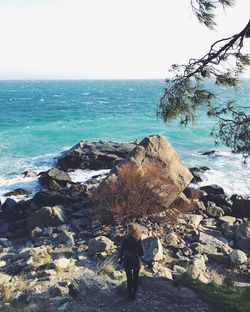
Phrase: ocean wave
pixel 7 185
pixel 226 170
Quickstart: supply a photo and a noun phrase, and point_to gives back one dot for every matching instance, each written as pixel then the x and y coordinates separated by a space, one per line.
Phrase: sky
pixel 106 39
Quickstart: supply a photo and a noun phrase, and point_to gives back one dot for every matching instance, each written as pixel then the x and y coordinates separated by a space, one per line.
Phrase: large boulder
pixel 214 211
pixel 238 257
pixel 213 189
pixel 100 244
pixel 241 207
pixel 154 155
pixel 94 155
pixel 54 179
pixel 196 267
pixel 9 211
pixel 153 250
pixel 45 217
pixel 50 198
pixel 220 243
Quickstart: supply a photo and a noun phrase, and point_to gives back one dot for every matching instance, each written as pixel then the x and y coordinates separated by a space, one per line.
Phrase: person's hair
pixel 134 230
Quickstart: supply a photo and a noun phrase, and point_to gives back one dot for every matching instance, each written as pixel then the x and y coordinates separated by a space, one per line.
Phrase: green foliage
pixel 185 94
pixel 204 10
pixel 227 298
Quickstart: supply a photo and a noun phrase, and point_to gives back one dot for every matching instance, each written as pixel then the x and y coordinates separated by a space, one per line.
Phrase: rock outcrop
pixel 94 155
pixel 155 152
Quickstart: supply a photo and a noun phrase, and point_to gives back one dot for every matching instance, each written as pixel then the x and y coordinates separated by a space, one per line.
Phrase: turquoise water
pixel 39 119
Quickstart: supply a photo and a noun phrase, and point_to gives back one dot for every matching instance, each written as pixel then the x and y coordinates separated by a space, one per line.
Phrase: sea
pixel 41 119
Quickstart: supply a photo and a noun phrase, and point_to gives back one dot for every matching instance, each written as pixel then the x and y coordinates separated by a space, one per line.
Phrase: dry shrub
pixel 135 194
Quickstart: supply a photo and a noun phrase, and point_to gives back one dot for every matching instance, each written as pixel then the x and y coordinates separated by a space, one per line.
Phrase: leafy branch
pixel 185 94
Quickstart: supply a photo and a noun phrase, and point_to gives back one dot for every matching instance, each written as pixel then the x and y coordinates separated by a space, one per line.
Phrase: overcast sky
pixel 83 39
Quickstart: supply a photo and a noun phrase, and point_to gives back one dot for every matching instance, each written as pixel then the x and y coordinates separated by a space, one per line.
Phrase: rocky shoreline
pixel 52 250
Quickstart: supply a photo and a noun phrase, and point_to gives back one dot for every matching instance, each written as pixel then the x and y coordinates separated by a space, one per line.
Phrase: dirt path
pixel 155 294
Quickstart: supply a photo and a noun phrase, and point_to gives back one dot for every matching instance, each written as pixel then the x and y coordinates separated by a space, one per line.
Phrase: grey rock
pixel 171 239
pixel 227 220
pixel 54 174
pixel 219 257
pixel 29 174
pixel 46 216
pixel 214 211
pixel 73 289
pixel 18 192
pixel 196 267
pixel 94 155
pixel 205 249
pixel 99 244
pixel 244 244
pixel 55 291
pixel 153 250
pixel 213 189
pixel 66 238
pixel 193 219
pixel 216 242
pixel 242 230
pixel 241 207
pixel 238 257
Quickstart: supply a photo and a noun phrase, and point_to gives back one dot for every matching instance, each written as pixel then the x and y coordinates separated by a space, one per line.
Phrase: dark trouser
pixel 132 269
pixel 132 281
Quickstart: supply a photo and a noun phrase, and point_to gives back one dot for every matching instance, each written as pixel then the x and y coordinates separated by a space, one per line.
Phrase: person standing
pixel 130 254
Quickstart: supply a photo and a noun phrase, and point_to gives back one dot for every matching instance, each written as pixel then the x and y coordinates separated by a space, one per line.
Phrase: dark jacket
pixel 131 251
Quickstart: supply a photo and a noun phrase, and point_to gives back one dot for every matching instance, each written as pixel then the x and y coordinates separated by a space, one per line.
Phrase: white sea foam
pixel 11 184
pixel 32 184
pixel 84 175
pixel 226 170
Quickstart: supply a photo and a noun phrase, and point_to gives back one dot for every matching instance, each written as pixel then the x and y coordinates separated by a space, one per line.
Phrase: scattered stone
pixel 193 219
pixel 193 193
pixel 214 211
pixel 213 189
pixel 244 243
pixel 171 239
pixel 209 153
pixel 73 289
pixel 242 230
pixel 64 263
pixel 55 291
pixel 196 267
pixel 8 210
pixel 179 269
pixel 241 207
pixel 18 192
pixel 238 257
pixel 216 242
pixel 100 244
pixel 153 250
pixel 46 216
pixel 54 179
pixel 219 257
pixel 228 220
pixel 31 308
pixel 29 174
pixel 49 198
pixel 2 264
pixel 66 238
pixel 198 175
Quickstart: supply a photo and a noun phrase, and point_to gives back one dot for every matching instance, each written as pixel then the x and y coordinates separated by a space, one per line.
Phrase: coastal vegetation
pixel 227 298
pixel 224 62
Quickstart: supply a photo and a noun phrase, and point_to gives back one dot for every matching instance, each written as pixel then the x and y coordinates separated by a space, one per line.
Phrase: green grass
pixel 227 298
